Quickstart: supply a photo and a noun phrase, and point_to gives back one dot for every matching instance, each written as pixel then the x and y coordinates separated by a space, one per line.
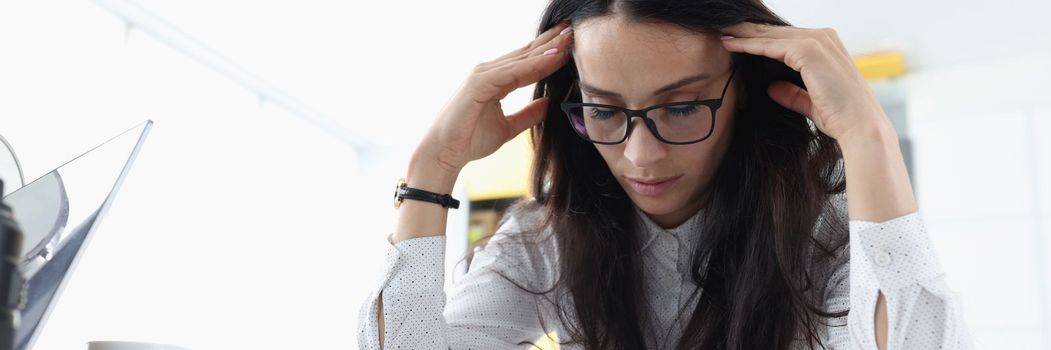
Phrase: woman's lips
pixel 653 187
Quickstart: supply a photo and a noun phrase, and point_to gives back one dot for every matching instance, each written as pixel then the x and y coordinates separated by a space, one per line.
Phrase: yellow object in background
pixel 548 342
pixel 881 65
pixel 503 174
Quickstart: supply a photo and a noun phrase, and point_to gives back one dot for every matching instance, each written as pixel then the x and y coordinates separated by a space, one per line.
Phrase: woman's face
pixel 629 61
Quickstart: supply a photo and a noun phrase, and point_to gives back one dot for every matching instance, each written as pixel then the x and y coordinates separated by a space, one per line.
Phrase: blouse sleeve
pixel 484 309
pixel 894 257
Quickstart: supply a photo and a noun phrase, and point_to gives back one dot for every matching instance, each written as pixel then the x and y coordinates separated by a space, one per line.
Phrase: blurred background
pixel 256 214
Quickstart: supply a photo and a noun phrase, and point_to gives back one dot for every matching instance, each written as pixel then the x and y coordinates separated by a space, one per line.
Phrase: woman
pixel 687 194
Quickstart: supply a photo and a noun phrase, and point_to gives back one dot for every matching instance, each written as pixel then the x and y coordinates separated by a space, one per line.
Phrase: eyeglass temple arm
pixel 733 70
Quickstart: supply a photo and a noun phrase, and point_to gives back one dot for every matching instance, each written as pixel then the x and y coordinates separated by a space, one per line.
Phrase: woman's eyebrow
pixel 592 90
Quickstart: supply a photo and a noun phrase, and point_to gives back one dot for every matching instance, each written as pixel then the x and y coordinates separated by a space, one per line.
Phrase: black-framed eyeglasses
pixel 677 123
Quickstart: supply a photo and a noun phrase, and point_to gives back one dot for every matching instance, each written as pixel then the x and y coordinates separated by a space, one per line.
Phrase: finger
pixel 496 83
pixel 761 30
pixel 825 36
pixel 542 39
pixel 767 47
pixel 550 34
pixel 519 72
pixel 790 96
pixel 789 51
pixel 532 114
pixel 562 40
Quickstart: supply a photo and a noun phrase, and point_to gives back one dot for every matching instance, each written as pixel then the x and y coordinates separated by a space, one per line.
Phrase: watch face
pixel 397 191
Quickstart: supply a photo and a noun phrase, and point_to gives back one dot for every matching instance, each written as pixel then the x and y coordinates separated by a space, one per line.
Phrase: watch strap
pixel 444 200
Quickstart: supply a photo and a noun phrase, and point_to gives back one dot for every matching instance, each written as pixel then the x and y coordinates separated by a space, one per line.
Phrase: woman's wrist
pixel 865 136
pixel 878 186
pixel 427 173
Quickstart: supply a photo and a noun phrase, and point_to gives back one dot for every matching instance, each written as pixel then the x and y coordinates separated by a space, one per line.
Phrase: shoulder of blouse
pixel 521 246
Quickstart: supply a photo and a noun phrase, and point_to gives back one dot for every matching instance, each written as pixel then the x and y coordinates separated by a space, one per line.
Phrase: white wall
pixel 934 34
pixel 237 228
pixel 983 179
pixel 240 226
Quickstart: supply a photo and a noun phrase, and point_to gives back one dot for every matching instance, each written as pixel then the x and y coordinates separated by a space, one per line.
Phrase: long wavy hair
pixel 757 263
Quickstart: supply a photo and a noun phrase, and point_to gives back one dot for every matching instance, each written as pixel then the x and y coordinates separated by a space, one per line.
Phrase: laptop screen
pixel 58 214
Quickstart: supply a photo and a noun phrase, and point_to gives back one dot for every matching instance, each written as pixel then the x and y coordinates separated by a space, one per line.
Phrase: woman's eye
pixel 682 111
pixel 598 113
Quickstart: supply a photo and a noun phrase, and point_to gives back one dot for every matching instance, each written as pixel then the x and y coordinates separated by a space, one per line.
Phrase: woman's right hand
pixel 473 125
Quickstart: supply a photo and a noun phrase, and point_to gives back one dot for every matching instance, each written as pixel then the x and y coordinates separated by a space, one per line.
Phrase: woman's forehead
pixel 637 58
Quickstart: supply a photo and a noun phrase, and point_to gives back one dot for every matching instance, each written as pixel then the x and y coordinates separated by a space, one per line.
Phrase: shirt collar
pixel 688 231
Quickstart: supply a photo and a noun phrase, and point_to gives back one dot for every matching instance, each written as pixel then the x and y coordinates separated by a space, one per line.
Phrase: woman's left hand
pixel 837 98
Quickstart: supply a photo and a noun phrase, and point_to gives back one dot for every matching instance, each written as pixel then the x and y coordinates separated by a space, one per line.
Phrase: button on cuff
pixel 899 251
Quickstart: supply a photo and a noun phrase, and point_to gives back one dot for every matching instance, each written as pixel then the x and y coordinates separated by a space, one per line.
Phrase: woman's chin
pixel 656 206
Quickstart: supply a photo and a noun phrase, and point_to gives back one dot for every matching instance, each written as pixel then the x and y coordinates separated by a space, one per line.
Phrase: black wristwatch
pixel 403 191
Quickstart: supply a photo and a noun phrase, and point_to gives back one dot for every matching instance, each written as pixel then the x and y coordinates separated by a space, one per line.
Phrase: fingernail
pixel 567 30
pixel 551 51
pixel 726 37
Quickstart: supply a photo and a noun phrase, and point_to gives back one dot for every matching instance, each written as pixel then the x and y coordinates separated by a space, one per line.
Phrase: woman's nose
pixel 642 147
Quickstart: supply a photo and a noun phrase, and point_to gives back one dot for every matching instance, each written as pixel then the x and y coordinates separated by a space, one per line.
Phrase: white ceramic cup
pixel 130 345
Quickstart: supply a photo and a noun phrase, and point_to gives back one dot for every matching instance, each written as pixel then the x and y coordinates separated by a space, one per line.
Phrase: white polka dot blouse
pixel 485 309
